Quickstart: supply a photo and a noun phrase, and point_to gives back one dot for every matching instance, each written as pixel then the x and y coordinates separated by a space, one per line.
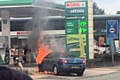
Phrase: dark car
pixel 62 63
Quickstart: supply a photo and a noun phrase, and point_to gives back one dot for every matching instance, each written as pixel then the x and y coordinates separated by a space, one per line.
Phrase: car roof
pixel 58 54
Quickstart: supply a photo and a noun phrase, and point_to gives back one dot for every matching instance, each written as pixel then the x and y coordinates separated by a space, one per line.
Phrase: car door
pixel 50 63
pixel 45 64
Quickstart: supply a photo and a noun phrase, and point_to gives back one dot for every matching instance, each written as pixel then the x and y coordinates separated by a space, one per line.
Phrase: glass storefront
pixel 19 41
pixel 100 28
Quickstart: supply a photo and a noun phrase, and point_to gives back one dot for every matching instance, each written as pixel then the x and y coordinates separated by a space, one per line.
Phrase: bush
pixel 98 55
pixel 103 60
pixel 107 57
pixel 91 63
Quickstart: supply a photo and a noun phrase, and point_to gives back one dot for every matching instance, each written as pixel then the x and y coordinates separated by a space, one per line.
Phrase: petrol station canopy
pixel 27 8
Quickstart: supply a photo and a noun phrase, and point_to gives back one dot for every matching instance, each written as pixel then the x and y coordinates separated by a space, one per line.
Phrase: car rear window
pixel 58 54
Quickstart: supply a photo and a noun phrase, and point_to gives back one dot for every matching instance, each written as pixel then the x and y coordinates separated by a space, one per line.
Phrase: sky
pixel 110 6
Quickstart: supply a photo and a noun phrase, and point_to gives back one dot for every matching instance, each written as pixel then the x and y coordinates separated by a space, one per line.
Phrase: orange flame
pixel 43 50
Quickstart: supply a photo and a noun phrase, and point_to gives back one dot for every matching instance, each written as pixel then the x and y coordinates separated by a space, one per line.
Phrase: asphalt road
pixel 112 76
pixel 89 74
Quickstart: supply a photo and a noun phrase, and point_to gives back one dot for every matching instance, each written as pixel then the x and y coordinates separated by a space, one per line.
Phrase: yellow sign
pixel 73 38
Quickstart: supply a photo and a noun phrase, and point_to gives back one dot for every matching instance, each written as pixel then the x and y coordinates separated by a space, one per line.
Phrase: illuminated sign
pixel 75 4
pixel 75 17
pixel 75 11
pixel 23 33
pixel 76 29
pixel 71 31
pixel 82 23
pixel 71 23
pixel 74 39
pixel 83 30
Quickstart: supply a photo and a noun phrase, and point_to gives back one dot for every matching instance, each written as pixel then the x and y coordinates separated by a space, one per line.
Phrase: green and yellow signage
pixel 76 17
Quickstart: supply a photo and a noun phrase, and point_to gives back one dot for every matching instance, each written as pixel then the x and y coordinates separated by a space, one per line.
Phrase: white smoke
pixel 40 25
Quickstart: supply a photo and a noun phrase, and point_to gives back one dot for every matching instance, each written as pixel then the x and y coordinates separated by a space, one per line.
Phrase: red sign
pixel 23 33
pixel 75 4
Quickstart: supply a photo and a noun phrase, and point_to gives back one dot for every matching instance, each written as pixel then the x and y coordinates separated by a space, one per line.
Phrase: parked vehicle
pixel 62 63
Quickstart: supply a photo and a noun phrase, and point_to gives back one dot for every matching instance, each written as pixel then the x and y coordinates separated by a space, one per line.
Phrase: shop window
pixel 21 25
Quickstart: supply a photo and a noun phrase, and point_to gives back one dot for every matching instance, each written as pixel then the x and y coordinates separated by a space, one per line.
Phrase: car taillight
pixel 64 61
pixel 83 61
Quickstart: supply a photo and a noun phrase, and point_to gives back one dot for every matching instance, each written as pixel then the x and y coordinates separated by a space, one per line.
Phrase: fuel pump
pixel 4 49
pixel 7 55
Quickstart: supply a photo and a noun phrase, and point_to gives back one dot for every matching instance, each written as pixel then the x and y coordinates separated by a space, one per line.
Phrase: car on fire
pixel 62 63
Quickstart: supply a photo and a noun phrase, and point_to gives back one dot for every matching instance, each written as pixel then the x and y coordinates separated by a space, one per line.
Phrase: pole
pixel 18 48
pixel 112 50
pixel 119 33
pixel 112 59
pixel 17 42
pixel 82 50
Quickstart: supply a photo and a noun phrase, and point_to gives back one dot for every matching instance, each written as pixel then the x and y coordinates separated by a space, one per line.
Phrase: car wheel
pixel 80 73
pixel 55 70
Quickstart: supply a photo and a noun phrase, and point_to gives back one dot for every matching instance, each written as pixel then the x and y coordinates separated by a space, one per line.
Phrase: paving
pixel 88 73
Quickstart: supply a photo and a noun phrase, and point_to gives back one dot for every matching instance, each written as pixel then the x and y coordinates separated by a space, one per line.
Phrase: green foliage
pixel 103 60
pixel 97 10
pixel 107 57
pixel 118 12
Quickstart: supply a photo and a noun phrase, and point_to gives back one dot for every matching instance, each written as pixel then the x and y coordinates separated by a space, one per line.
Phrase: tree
pixel 97 10
pixel 118 12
